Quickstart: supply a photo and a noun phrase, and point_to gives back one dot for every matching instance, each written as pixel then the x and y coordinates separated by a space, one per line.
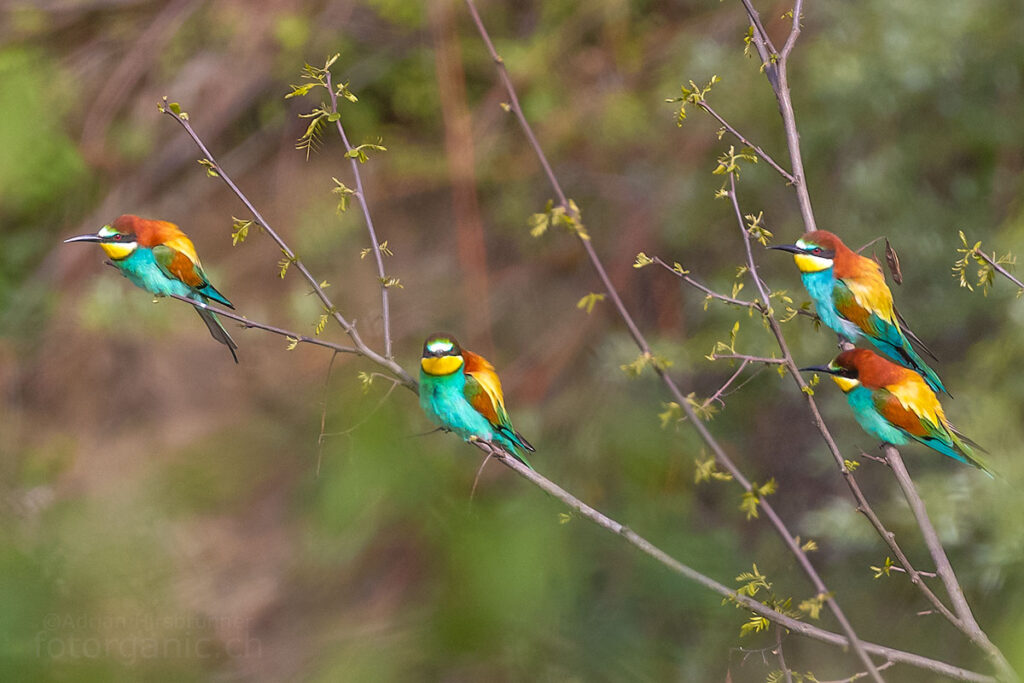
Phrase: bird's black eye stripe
pixel 820 251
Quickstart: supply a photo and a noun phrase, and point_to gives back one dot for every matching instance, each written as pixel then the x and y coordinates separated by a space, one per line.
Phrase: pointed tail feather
pixel 516 438
pixel 520 457
pixel 217 330
pixel 210 292
pixel 967 446
pixel 514 443
pixel 969 441
pixel 914 339
pixel 959 451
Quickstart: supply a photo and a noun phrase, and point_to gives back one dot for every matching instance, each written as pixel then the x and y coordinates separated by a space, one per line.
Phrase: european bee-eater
pixel 895 404
pixel 461 392
pixel 852 299
pixel 161 259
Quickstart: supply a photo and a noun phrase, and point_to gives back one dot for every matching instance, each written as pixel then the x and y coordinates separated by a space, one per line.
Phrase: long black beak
pixel 819 368
pixel 792 248
pixel 84 238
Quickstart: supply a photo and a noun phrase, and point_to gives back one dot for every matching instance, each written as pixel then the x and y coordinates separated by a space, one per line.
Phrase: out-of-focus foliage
pixel 167 515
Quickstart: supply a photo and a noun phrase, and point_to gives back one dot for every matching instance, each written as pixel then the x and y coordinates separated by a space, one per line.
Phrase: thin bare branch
pixel 721 390
pixel 748 359
pixel 739 136
pixel 782 659
pixel 323 415
pixel 862 674
pixel 775 70
pixel 901 570
pixel 877 239
pixel 751 263
pixel 704 288
pixel 252 324
pixel 794 32
pixel 385 305
pixel 563 201
pixel 760 33
pixel 712 294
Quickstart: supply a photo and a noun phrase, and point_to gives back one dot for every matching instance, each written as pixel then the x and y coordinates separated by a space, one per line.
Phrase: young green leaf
pixel 588 301
pixel 239 230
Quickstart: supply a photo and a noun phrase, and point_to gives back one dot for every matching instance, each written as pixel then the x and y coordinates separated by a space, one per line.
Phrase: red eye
pixel 117 237
pixel 816 250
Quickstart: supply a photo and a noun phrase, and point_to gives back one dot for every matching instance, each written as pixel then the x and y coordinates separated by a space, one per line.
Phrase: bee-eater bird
pixel 161 259
pixel 895 404
pixel 852 299
pixel 461 392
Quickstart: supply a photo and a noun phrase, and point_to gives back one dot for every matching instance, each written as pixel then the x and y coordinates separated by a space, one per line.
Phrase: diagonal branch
pixel 997 267
pixel 685 277
pixel 944 568
pixel 745 361
pixel 252 324
pixel 760 34
pixel 641 342
pixel 646 547
pixel 739 136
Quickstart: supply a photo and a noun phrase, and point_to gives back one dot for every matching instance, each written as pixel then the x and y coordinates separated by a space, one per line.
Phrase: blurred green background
pixel 169 516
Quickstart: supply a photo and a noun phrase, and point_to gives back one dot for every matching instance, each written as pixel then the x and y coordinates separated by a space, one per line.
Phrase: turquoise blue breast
pixel 820 286
pixel 443 401
pixel 860 399
pixel 142 269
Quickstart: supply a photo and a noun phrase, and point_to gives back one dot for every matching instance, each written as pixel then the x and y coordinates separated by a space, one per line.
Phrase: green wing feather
pixel 179 266
pixel 884 335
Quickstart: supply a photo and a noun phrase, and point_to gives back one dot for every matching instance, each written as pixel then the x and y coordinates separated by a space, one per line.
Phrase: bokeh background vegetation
pixel 167 515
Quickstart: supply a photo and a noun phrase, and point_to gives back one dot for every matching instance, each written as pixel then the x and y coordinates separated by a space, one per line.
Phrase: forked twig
pixel 350 329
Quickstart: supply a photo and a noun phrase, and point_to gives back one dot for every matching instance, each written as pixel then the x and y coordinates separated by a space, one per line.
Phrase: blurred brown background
pixel 167 515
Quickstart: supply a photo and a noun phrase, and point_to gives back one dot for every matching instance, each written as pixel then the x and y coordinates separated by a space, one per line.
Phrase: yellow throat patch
pixel 117 250
pixel 442 365
pixel 845 383
pixel 811 264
